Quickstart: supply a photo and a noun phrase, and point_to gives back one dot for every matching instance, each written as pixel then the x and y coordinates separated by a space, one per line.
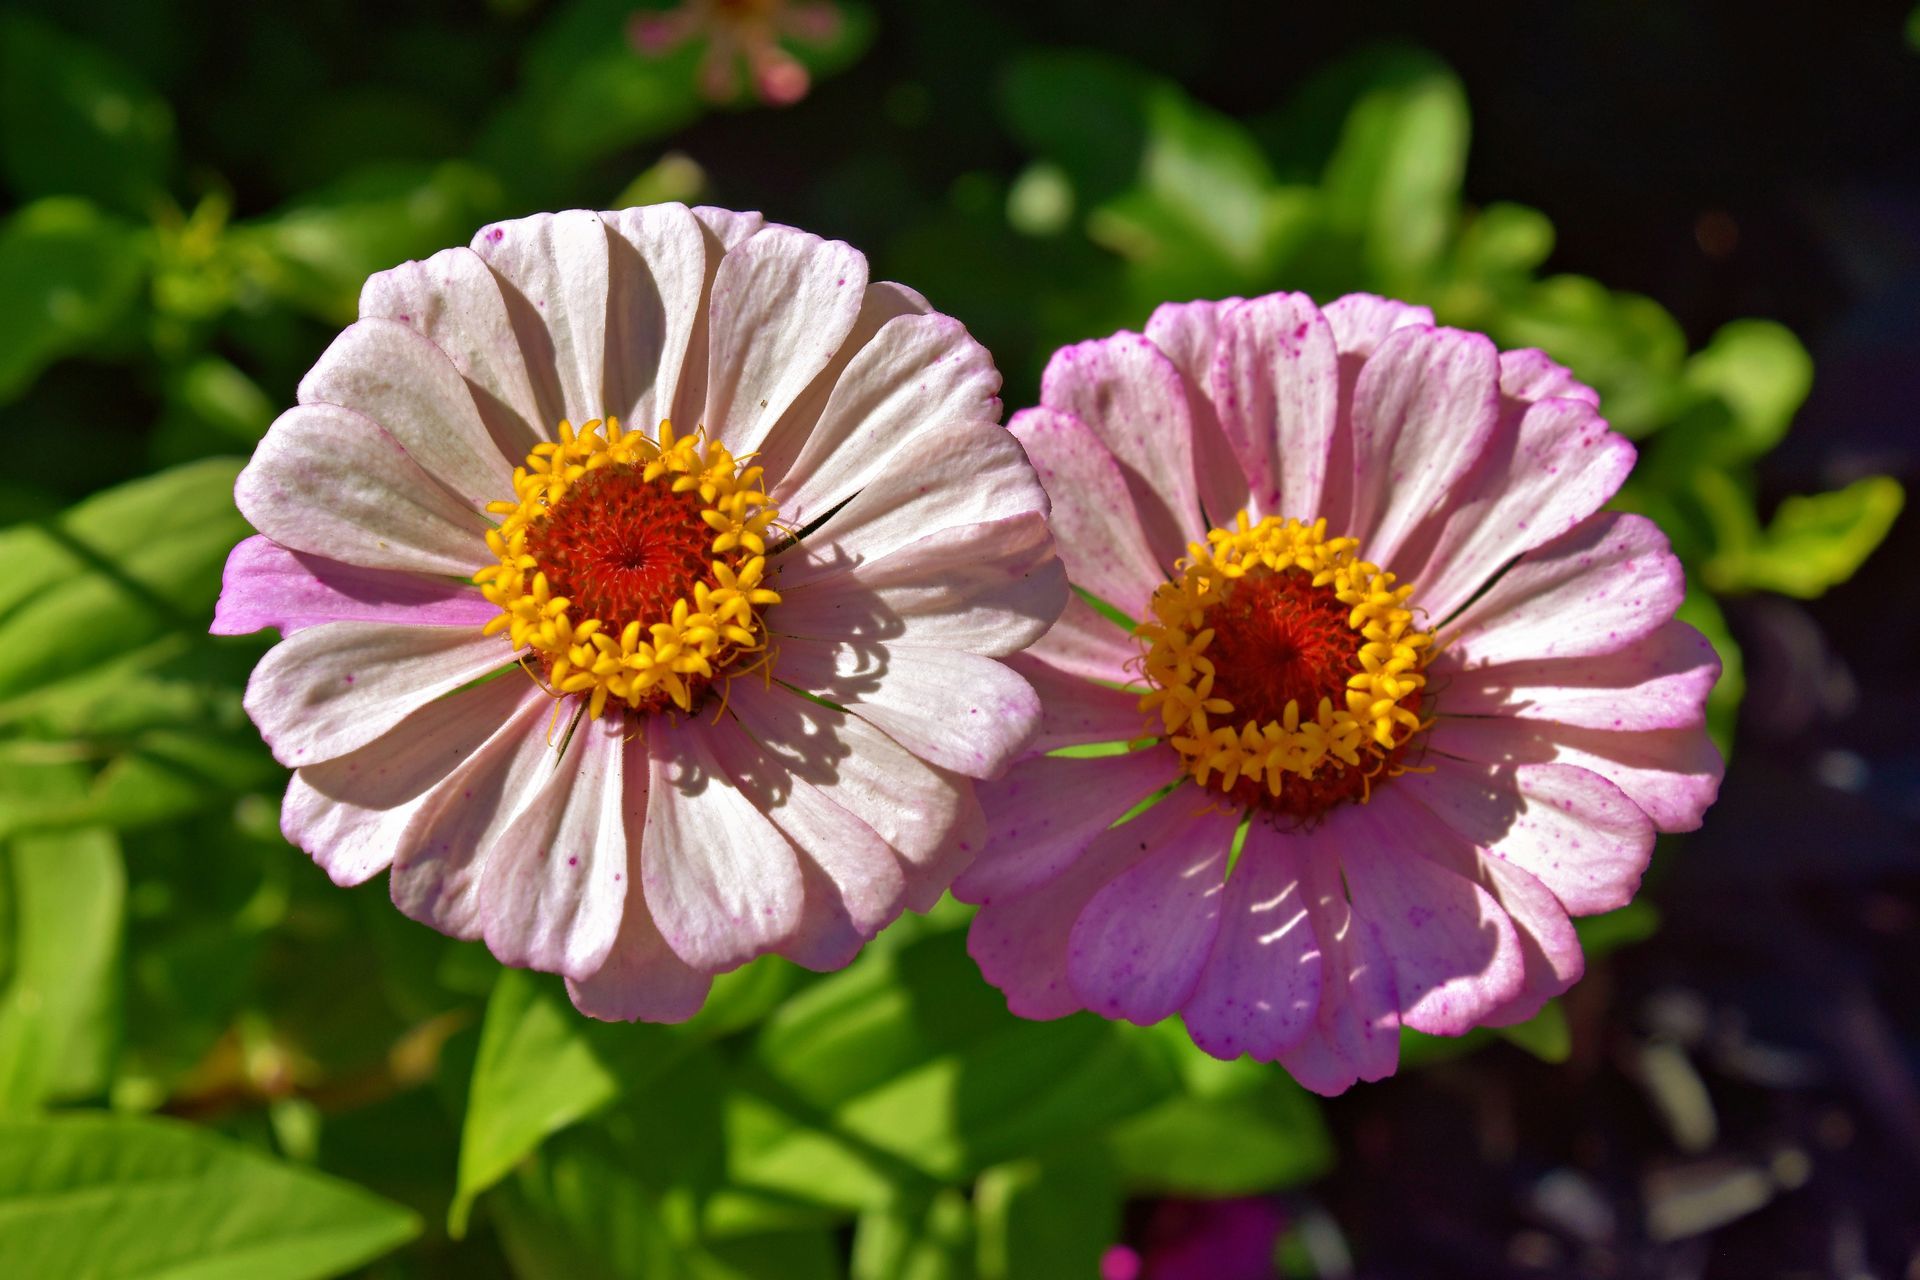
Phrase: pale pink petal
pixel 970 473
pixel 349 813
pixel 956 710
pixel 1276 386
pixel 454 300
pixel 1186 332
pixel 1086 644
pixel 986 588
pixel 1260 990
pixel 722 230
pixel 1075 711
pixel 853 882
pixel 657 275
pixel 1045 812
pixel 1424 410
pixel 841 450
pixel 1137 948
pixel 440 858
pixel 722 882
pixel 1020 943
pixel 781 305
pixel 1672 774
pixel 1455 954
pixel 1133 399
pixel 327 690
pixel 1608 583
pixel 330 482
pixel 266 585
pixel 1527 375
pixel 1547 470
pixel 1361 321
pixel 1094 518
pixel 641 979
pixel 1569 828
pixel 383 370
pixel 1660 681
pixel 926 814
pixel 555 885
pixel 555 272
pixel 1356 1030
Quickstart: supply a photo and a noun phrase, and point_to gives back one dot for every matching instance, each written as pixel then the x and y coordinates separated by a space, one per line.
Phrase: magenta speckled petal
pixel 266 585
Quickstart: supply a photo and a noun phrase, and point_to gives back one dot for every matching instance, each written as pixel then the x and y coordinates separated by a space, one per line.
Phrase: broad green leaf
pixel 931 1240
pixel 1084 111
pixel 69 274
pixel 1635 922
pixel 1546 1035
pixel 1394 179
pixel 1757 375
pixel 1814 542
pixel 75 122
pixel 1626 346
pixel 577 1213
pixel 103 1197
pixel 1231 1145
pixel 59 1003
pixel 112 573
pixel 1052 1216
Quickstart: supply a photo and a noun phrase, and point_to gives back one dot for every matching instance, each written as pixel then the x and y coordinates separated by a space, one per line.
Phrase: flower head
pixel 644 578
pixel 1397 698
pixel 737 31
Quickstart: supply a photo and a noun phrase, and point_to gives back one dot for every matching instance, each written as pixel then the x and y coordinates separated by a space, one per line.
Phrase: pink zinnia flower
pixel 1414 700
pixel 749 530
pixel 737 31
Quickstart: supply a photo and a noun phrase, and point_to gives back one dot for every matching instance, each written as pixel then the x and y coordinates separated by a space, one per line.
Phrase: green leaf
pixel 59 1004
pixel 1394 179
pixel 1546 1035
pixel 1758 375
pixel 915 1241
pixel 1814 542
pixel 75 122
pixel 1083 111
pixel 1230 1145
pixel 1623 927
pixel 1049 1217
pixel 1626 346
pixel 577 1213
pixel 99 1197
pixel 69 274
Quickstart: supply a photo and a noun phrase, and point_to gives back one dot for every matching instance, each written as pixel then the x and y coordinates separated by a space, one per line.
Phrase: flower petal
pixel 1361 321
pixel 1356 1030
pixel 330 482
pixel 383 370
pixel 1424 409
pixel 1276 385
pixel 1094 518
pixel 1260 990
pixel 1044 814
pixel 722 230
pixel 1671 774
pixel 1569 828
pixel 957 710
pixel 722 882
pixel 1137 948
pixel 1527 375
pixel 1455 955
pixel 1130 395
pixel 986 588
pixel 1076 711
pixel 1020 943
pixel 918 378
pixel 1086 644
pixel 657 274
pixel 641 979
pixel 1660 681
pixel 555 272
pixel 1186 332
pixel 327 690
pixel 266 585
pixel 349 813
pixel 1609 582
pixel 453 299
pixel 853 883
pixel 781 304
pixel 1550 467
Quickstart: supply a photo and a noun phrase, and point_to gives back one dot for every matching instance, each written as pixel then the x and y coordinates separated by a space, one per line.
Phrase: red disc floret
pixel 622 548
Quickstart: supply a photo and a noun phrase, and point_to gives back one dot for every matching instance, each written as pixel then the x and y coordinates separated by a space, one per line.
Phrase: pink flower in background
pixel 574 536
pixel 1201 1240
pixel 1412 699
pixel 739 31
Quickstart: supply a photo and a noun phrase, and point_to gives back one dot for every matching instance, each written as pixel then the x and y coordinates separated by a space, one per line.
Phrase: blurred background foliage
pixel 212 1063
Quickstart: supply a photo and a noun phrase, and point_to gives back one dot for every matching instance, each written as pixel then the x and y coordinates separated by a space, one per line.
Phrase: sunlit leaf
pixel 1546 1035
pixel 1269 1137
pixel 68 273
pixel 1047 1217
pixel 100 1197
pixel 1813 542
